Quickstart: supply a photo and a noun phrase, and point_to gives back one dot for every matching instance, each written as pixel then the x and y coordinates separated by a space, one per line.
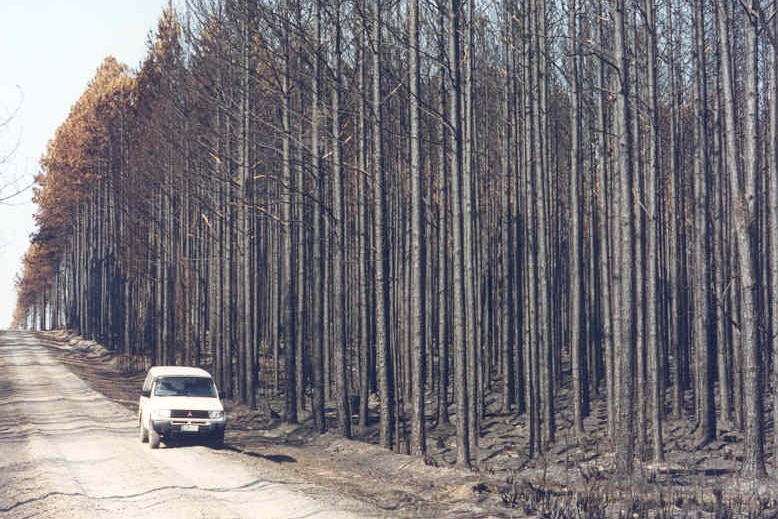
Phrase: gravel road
pixel 67 451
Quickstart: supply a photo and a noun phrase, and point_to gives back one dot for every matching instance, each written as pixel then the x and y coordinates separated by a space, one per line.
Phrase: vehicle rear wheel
pixel 144 433
pixel 154 438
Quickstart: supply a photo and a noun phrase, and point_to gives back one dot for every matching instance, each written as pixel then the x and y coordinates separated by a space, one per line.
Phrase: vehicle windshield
pixel 185 386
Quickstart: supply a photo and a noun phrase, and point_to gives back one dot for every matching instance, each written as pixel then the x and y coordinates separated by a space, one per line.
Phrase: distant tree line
pixel 434 202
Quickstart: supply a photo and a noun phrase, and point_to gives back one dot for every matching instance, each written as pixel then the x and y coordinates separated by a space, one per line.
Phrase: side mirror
pixel 146 393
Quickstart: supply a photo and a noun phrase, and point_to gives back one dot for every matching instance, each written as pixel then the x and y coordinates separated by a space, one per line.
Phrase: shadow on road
pixel 275 458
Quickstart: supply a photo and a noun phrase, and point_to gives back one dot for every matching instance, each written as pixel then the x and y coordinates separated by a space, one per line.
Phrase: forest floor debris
pixel 574 478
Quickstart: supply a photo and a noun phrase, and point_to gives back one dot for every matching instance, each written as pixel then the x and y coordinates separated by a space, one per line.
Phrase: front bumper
pixel 182 428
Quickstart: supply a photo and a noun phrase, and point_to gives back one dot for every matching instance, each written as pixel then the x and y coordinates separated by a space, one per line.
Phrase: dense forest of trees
pixel 434 201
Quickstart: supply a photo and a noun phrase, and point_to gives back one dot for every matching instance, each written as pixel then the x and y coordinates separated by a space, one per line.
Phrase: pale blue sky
pixel 49 50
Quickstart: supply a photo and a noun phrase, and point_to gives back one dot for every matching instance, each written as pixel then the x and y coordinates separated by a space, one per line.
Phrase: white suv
pixel 178 402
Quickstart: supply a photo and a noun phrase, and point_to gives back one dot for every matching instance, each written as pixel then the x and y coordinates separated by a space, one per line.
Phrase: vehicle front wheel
pixel 154 438
pixel 217 440
pixel 144 433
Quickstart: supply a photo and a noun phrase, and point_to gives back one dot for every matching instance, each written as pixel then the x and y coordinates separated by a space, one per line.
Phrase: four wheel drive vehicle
pixel 180 402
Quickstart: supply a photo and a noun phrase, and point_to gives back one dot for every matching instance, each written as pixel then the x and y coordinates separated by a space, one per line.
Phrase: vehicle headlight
pixel 160 414
pixel 216 415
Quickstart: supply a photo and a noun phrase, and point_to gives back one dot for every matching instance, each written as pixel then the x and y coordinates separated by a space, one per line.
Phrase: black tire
pixel 144 433
pixel 217 440
pixel 154 439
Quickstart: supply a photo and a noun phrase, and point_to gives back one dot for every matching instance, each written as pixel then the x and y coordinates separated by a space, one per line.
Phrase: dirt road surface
pixel 67 451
